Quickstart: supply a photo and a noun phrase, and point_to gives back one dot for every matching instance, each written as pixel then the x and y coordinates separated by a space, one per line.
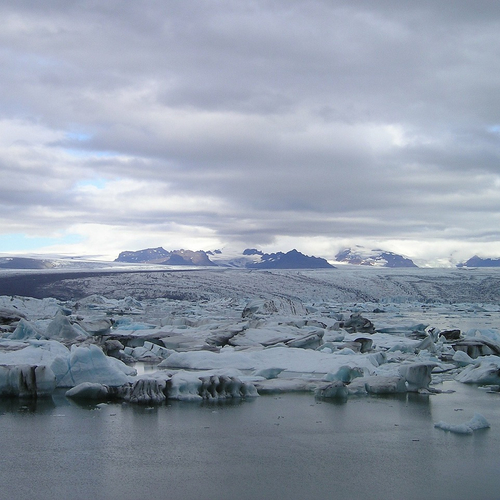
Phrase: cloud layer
pixel 204 124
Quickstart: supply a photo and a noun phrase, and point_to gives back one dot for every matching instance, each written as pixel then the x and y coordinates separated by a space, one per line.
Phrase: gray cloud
pixel 253 120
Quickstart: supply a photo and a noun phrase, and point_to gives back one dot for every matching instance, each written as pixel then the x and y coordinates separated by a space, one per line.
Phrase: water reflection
pixel 17 405
pixel 289 446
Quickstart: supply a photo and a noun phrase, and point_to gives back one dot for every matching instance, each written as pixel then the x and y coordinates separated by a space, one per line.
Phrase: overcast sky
pixel 273 124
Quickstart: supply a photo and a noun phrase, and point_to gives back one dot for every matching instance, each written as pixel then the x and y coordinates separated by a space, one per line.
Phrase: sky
pixel 280 124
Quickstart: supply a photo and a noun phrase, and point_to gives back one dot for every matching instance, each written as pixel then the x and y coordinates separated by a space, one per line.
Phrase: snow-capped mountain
pixel 380 258
pixel 251 258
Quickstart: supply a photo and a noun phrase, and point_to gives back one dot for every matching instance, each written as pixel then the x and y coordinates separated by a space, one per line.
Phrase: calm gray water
pixel 284 447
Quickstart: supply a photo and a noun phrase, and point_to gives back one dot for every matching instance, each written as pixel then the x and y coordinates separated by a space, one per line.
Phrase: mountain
pixel 290 260
pixel 161 256
pixel 251 258
pixel 379 258
pixel 480 262
pixel 229 257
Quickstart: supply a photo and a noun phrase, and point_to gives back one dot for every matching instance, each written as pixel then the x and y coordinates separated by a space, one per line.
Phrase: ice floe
pixel 475 423
pixel 262 340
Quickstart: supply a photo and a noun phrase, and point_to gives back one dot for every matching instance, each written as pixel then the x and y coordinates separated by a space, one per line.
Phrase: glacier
pixel 237 334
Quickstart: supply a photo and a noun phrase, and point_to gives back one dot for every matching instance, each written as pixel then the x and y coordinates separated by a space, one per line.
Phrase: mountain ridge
pixel 161 256
pixel 250 259
pixel 477 261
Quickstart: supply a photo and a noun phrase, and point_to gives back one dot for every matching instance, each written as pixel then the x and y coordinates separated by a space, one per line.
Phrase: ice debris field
pixel 145 338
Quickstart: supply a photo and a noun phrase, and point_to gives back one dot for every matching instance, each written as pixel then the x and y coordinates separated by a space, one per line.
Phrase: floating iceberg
pixel 475 423
pixel 60 328
pixel 485 371
pixel 26 381
pixel 89 391
pixel 333 390
pixel 377 385
pixel 417 375
pixel 155 389
pixel 270 332
pixel 25 330
pixel 90 364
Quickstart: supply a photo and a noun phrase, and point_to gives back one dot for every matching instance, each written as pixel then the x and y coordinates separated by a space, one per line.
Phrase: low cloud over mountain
pixel 380 258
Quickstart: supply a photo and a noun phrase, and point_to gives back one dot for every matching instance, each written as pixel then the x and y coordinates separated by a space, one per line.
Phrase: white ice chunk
pixel 427 344
pixel 377 358
pixel 144 354
pixel 345 374
pixel 195 386
pixel 26 380
pixel 310 341
pixel 281 385
pixel 89 390
pixel 121 366
pixel 25 330
pixel 268 373
pixel 345 352
pixel 461 358
pixel 295 360
pixel 207 360
pixel 393 342
pixel 89 364
pixel 60 328
pixel 147 391
pixel 417 375
pixel 30 307
pixel 377 385
pixel 96 326
pixel 488 333
pixel 32 352
pixel 266 336
pixel 333 390
pixel 128 325
pixel 486 372
pixel 477 422
pixel 183 342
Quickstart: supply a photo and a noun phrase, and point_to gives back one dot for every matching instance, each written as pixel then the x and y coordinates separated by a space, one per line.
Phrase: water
pixel 288 446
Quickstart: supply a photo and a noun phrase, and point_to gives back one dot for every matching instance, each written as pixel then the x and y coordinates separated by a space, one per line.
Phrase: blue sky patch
pixel 15 242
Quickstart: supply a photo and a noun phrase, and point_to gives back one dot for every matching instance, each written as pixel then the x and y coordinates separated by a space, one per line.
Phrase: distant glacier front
pixel 213 383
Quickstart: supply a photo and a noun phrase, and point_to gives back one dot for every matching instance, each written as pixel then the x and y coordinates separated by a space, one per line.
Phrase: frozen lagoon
pixel 371 445
pixel 285 447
